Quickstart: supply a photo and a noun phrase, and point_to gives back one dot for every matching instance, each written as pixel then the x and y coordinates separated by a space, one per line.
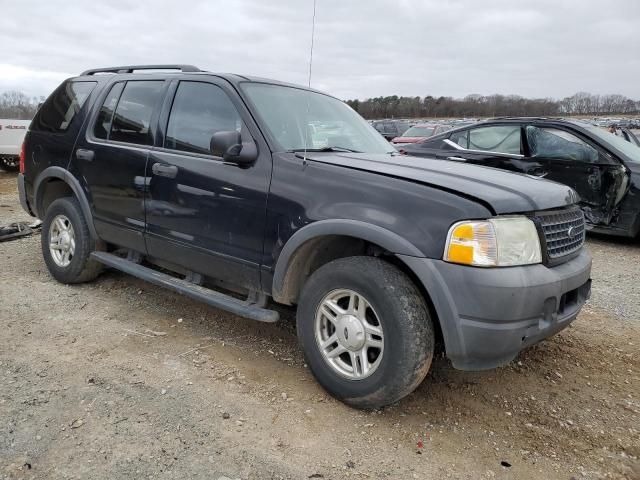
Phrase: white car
pixel 12 134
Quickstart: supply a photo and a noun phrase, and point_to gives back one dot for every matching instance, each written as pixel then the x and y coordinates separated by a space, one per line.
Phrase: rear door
pixel 567 157
pixel 111 159
pixel 203 213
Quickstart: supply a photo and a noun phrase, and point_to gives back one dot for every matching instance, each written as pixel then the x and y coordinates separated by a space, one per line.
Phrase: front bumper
pixel 488 315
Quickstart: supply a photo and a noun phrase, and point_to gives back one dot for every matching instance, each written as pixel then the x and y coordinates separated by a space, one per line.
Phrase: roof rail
pixel 131 68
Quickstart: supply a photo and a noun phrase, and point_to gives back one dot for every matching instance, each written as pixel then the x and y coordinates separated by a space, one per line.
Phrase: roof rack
pixel 131 68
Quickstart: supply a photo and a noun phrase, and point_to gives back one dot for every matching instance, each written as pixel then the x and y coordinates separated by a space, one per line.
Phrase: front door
pixel 202 213
pixel 569 159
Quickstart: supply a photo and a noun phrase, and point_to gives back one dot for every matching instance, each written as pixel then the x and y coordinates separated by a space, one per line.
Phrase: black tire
pixel 82 268
pixel 10 164
pixel 404 317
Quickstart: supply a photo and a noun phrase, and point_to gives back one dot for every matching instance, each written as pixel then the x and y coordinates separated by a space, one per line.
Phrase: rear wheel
pixel 67 244
pixel 365 330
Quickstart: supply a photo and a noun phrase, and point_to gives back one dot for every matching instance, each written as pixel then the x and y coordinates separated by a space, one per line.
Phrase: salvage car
pixel 214 186
pixel 603 168
pixel 419 132
pixel 391 129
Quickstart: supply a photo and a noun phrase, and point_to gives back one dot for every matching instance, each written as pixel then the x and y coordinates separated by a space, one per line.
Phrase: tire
pixel 10 164
pixel 389 297
pixel 80 267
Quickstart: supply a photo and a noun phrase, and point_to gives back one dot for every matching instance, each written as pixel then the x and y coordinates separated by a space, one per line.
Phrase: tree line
pixel 581 103
pixel 18 106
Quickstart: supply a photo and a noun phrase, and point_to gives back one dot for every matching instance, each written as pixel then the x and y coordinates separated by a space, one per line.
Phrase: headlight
pixel 498 242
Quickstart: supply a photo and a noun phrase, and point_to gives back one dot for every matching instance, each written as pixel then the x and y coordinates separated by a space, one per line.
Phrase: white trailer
pixel 12 134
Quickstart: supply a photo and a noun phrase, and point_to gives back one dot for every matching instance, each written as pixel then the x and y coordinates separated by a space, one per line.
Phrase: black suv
pixel 217 185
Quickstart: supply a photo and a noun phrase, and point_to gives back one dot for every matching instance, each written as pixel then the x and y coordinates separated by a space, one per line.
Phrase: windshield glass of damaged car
pixel 300 120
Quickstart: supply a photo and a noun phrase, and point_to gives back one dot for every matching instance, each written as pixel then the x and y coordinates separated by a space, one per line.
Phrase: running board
pixel 251 308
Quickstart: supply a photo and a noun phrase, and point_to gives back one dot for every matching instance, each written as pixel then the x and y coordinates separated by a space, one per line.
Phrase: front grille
pixel 563 230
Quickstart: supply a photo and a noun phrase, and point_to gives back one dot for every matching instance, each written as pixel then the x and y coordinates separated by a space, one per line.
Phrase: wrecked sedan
pixel 603 168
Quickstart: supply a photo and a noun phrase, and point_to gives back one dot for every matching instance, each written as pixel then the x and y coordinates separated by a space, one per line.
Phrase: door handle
pixel 86 155
pixel 457 159
pixel 162 170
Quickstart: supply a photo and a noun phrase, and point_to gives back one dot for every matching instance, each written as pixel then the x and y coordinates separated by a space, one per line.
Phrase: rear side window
pixel 57 113
pixel 503 139
pixel 132 118
pixel 105 117
pixel 199 110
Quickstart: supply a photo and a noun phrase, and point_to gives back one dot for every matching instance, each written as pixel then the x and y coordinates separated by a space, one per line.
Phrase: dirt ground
pixel 118 379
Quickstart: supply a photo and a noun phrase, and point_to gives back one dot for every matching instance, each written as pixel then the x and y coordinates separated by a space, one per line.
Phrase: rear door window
pixel 498 138
pixel 57 113
pixel 199 110
pixel 132 118
pixel 103 124
pixel 461 138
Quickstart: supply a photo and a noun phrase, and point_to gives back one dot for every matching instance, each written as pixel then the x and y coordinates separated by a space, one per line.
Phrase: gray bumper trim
pixel 488 315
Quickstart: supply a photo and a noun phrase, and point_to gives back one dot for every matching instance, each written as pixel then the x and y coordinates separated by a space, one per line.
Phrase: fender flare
pixel 64 175
pixel 386 239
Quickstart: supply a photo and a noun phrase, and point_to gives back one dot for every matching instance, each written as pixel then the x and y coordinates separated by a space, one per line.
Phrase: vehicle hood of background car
pixel 504 192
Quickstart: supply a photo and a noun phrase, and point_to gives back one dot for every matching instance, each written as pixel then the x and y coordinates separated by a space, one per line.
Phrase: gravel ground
pixel 119 379
pixel 615 267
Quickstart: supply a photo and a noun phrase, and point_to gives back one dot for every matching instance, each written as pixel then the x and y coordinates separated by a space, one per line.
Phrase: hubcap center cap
pixel 350 332
pixel 65 241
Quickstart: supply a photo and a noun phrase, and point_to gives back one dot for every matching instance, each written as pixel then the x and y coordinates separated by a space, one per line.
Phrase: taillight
pixel 22 157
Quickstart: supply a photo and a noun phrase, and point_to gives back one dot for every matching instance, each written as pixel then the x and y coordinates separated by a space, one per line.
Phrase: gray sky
pixel 363 48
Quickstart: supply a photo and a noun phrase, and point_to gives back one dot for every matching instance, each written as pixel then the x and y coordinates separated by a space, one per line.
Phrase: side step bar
pixel 251 308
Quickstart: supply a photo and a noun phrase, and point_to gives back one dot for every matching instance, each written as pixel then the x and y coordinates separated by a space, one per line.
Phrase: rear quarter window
pixel 59 110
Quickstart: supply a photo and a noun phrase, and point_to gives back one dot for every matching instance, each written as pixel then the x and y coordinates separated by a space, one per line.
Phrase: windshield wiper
pixel 324 149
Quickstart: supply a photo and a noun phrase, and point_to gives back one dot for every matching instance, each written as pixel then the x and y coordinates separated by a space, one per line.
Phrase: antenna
pixel 306 120
pixel 313 31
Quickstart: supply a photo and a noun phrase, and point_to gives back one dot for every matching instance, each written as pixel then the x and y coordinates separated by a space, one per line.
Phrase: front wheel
pixel 365 330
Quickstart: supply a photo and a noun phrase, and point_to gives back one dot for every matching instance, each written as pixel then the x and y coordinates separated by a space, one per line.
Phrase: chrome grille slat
pixel 555 227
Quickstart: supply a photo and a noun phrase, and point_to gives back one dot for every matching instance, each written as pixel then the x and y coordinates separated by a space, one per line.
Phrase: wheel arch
pixel 326 240
pixel 55 182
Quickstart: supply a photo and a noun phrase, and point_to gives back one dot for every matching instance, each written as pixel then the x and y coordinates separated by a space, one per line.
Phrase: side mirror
pixel 229 146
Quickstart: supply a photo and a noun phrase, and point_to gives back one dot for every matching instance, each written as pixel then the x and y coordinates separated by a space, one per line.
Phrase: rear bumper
pixel 488 315
pixel 22 193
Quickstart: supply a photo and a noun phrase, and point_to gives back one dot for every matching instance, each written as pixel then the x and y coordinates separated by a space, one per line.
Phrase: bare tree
pixel 18 106
pixel 581 103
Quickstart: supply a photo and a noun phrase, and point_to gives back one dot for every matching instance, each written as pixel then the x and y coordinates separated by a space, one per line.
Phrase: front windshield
pixel 300 119
pixel 419 132
pixel 629 149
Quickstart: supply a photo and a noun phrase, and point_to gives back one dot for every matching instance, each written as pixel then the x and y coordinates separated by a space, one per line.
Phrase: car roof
pixel 138 71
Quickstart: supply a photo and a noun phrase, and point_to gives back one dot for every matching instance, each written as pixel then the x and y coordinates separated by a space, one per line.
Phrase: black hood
pixel 504 192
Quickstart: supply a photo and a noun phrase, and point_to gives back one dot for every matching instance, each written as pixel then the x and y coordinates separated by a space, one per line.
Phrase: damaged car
pixel 604 169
